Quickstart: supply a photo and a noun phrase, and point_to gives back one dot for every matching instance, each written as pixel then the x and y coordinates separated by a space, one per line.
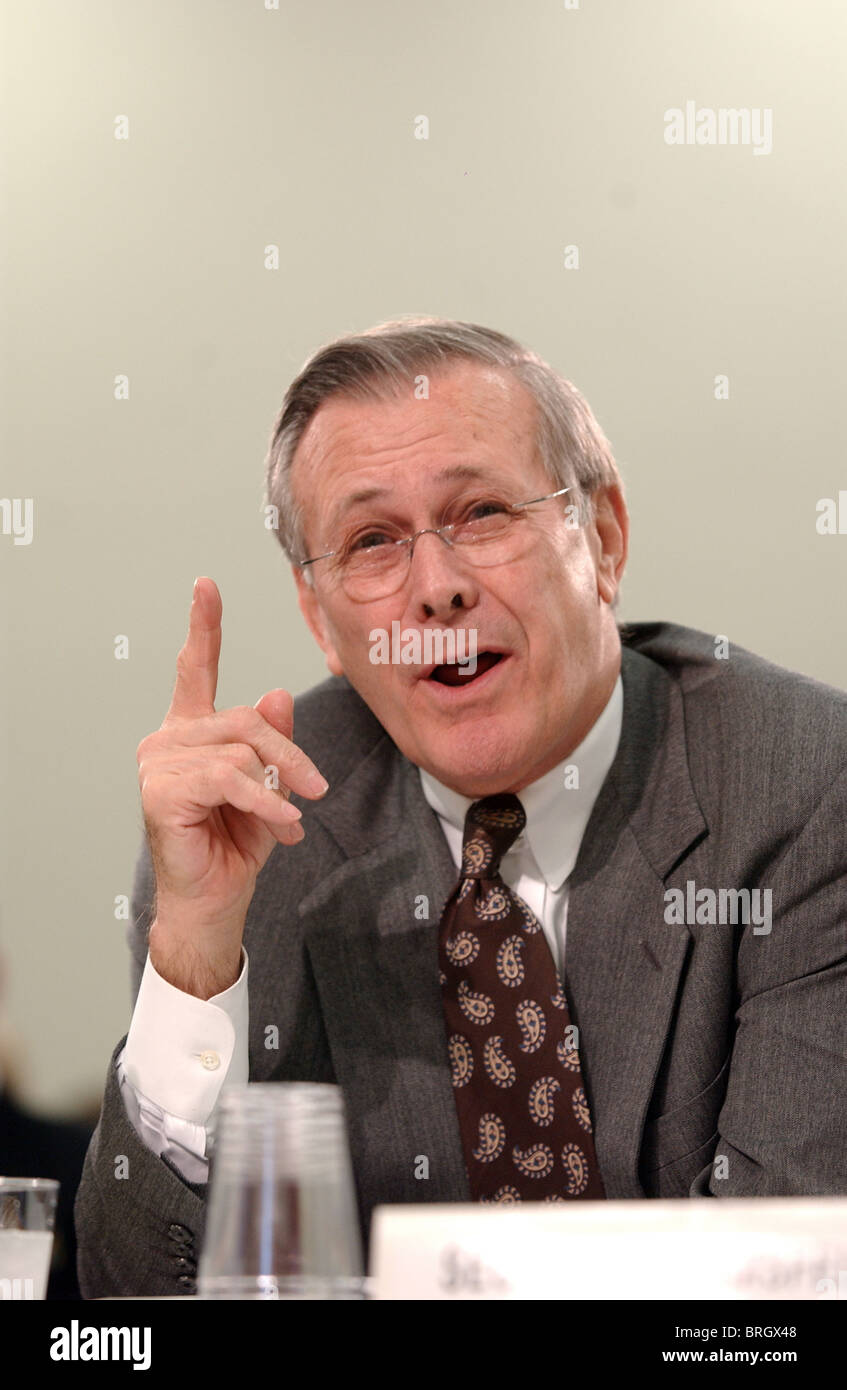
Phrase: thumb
pixel 277 706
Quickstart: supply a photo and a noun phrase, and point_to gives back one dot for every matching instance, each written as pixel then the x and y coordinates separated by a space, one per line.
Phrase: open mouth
pixel 454 673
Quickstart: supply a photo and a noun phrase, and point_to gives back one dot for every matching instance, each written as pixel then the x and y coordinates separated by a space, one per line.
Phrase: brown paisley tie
pixel 523 1112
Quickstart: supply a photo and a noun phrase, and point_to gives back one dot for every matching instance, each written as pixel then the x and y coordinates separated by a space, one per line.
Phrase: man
pixel 570 920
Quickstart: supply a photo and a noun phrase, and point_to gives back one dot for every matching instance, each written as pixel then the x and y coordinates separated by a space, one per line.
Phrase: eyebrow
pixel 453 473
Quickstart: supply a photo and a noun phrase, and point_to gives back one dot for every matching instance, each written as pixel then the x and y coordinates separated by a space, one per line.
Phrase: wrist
pixel 198 960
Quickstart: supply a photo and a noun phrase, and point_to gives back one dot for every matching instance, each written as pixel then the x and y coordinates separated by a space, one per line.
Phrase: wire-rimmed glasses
pixel 377 569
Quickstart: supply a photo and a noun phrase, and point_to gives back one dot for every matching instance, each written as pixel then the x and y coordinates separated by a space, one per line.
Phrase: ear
pixel 609 539
pixel 310 607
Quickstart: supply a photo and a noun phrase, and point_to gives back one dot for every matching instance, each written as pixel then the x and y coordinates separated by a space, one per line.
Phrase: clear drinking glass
pixel 27 1217
pixel 282 1219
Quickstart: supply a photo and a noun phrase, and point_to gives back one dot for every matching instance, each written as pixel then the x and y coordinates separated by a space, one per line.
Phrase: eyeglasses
pixel 372 565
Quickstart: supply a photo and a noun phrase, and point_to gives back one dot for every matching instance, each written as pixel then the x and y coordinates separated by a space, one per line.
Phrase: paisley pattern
pixel 580 1109
pixel 576 1169
pixel 506 1194
pixel 541 1096
pixel 532 1023
pixel 510 967
pixel 476 856
pixel 497 1064
pixel 521 1104
pixel 467 889
pixel 478 1008
pixel 461 1059
pixel 531 924
pixel 494 906
pixel 491 1139
pixel 534 1162
pixel 463 949
pixel 568 1056
pixel 499 818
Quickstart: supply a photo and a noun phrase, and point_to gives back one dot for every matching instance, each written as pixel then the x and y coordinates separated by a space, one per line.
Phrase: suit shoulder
pixel 788 724
pixel 694 658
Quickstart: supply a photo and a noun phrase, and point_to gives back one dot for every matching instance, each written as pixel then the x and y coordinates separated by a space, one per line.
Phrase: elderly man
pixel 567 919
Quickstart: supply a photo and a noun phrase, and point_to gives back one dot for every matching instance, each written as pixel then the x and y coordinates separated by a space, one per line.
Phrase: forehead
pixel 474 414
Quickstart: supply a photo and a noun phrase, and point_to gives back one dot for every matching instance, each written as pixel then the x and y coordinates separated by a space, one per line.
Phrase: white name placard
pixel 727 1248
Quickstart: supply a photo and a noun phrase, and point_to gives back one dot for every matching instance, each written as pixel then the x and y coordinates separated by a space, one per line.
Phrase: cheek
pixel 571 581
pixel 560 630
pixel 351 628
pixel 354 648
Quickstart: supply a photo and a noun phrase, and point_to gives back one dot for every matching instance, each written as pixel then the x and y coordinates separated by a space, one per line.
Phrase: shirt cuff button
pixel 210 1060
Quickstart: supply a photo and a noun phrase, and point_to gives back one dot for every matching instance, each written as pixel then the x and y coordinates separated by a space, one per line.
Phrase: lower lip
pixel 459 694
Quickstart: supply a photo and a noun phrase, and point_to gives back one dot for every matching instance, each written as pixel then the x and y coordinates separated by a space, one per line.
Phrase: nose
pixel 440 582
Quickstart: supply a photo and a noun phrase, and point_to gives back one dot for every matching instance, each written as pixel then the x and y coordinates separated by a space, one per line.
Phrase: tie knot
pixel 491 827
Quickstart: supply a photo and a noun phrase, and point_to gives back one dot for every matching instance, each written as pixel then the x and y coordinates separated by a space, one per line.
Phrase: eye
pixel 482 509
pixel 369 540
pixel 477 512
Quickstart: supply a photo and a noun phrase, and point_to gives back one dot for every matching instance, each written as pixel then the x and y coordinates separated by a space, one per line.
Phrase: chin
pixel 475 763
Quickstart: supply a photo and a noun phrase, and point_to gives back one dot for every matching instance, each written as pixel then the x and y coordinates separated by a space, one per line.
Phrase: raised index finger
pixel 197 663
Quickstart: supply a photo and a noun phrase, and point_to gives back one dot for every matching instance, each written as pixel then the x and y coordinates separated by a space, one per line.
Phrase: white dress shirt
pixel 180 1050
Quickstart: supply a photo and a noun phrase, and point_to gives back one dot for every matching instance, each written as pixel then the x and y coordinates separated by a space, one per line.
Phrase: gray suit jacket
pixel 696 1040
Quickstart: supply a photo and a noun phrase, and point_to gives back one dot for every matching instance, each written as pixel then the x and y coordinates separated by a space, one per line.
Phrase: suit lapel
pixel 622 961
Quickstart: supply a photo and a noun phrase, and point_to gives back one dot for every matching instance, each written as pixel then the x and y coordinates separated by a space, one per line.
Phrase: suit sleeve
pixel 139 1222
pixel 782 1130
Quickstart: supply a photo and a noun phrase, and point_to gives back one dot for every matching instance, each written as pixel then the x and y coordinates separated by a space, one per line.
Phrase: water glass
pixel 27 1218
pixel 282 1219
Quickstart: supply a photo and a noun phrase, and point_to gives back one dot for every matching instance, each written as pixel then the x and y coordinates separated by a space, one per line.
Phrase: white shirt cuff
pixel 181 1142
pixel 180 1049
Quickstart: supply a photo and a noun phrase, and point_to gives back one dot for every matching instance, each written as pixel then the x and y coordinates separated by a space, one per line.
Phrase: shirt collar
pixel 556 813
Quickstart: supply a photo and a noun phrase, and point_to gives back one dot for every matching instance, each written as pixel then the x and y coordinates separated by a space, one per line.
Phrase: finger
pixel 243 830
pixel 210 785
pixel 233 787
pixel 246 725
pixel 185 763
pixel 277 707
pixel 197 662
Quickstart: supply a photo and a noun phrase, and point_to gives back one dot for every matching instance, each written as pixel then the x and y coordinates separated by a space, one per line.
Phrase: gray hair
pixel 384 362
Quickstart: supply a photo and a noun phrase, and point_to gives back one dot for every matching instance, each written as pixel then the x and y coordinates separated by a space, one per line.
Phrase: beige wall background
pixel 251 126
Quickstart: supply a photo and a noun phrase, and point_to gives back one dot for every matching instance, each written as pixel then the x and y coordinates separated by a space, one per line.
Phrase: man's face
pixel 543 617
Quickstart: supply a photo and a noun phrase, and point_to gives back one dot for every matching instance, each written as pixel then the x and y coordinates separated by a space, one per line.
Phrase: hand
pixel 211 820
